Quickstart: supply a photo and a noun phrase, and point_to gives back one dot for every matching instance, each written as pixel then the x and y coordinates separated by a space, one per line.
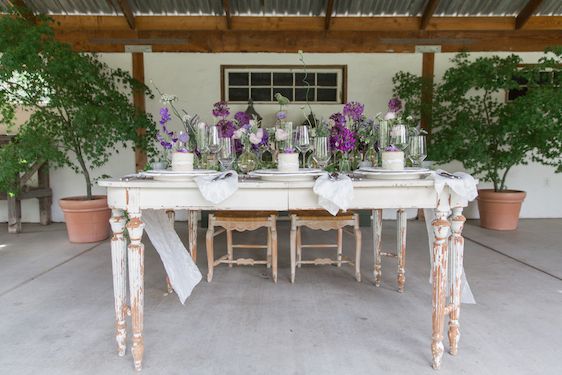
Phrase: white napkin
pixel 465 186
pixel 182 271
pixel 218 187
pixel 334 194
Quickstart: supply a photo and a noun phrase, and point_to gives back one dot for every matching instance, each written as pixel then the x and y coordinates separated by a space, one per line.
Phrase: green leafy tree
pixel 473 122
pixel 80 114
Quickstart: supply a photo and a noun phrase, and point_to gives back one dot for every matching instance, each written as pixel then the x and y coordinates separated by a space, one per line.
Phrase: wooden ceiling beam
pixel 526 13
pixel 127 12
pixel 312 41
pixel 226 7
pixel 428 13
pixel 23 10
pixel 329 11
pixel 248 23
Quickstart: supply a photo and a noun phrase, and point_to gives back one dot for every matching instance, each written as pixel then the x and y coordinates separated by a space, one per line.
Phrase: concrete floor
pixel 56 310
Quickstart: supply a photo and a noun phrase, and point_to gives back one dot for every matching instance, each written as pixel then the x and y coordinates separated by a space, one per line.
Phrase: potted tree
pixel 492 114
pixel 79 112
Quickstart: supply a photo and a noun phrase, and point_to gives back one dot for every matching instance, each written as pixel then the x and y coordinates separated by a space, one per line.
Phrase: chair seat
pixel 244 215
pixel 321 215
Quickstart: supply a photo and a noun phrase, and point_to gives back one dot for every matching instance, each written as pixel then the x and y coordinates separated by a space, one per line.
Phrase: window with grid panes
pixel 322 84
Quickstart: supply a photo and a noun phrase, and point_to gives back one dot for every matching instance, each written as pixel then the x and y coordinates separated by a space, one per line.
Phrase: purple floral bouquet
pixel 167 138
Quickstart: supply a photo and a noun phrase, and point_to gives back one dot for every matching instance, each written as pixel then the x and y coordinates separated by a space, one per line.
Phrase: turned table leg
pixel 192 229
pixel 210 248
pixel 456 267
pixel 401 248
pixel 274 249
pixel 441 228
pixel 293 243
pixel 357 230
pixel 119 264
pixel 135 229
pixel 172 218
pixel 377 240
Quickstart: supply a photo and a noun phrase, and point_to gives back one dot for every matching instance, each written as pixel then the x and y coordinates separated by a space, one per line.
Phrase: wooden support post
pixel 45 202
pixel 428 62
pixel 140 105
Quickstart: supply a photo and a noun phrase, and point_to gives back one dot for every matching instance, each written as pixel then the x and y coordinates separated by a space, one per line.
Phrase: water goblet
pixel 322 152
pixel 226 153
pixel 417 149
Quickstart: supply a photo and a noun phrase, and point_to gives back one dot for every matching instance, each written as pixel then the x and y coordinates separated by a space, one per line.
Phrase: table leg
pixel 456 267
pixel 293 241
pixel 377 240
pixel 274 249
pixel 210 248
pixel 192 229
pixel 135 229
pixel 357 230
pixel 401 248
pixel 172 218
pixel 441 228
pixel 119 265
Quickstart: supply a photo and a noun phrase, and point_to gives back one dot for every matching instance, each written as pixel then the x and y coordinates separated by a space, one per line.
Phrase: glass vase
pixel 247 161
pixel 345 164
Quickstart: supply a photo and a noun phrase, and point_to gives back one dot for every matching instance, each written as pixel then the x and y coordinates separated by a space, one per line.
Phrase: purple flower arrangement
pixel 167 138
pixel 242 118
pixel 394 105
pixel 353 110
pixel 342 139
pixel 221 109
pixel 226 128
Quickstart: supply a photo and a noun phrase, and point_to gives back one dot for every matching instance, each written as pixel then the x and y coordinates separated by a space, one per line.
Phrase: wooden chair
pixel 400 254
pixel 241 221
pixel 323 220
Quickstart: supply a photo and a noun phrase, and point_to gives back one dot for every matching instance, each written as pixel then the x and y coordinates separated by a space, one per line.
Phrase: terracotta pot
pixel 500 210
pixel 86 220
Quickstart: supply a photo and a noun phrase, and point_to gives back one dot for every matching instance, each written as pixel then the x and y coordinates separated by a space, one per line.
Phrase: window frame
pixel 341 94
pixel 507 100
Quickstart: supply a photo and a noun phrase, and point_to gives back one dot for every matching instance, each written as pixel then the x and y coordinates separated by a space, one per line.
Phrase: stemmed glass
pixel 226 153
pixel 399 136
pixel 302 141
pixel 213 142
pixel 417 151
pixel 202 140
pixel 322 152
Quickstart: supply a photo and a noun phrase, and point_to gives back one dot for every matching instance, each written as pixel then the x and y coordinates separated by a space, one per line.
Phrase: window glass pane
pixel 238 79
pixel 513 94
pixel 520 80
pixel 283 79
pixel 300 94
pixel 557 78
pixel 544 77
pixel 261 94
pixel 238 94
pixel 301 77
pixel 327 79
pixel 261 79
pixel 327 95
pixel 285 91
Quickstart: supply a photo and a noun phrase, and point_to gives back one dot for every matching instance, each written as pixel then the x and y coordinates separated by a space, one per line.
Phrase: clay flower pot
pixel 500 210
pixel 86 220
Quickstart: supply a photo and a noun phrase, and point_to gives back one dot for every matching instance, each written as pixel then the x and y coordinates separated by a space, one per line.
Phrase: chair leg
pixel 192 232
pixel 357 249
pixel 230 253
pixel 340 246
pixel 401 219
pixel 274 249
pixel 299 247
pixel 377 239
pixel 210 248
pixel 293 241
pixel 269 250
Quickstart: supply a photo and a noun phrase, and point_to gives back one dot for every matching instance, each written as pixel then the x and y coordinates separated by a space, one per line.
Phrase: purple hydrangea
pixel 243 118
pixel 226 128
pixel 264 141
pixel 281 115
pixel 342 139
pixel 394 105
pixel 164 115
pixel 353 110
pixel 338 118
pixel 220 109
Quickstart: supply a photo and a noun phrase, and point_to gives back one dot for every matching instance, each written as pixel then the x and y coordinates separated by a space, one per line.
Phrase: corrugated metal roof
pixel 292 7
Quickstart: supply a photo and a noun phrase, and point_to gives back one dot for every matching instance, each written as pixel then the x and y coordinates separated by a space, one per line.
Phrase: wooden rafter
pixel 23 10
pixel 428 13
pixel 329 11
pixel 127 12
pixel 526 13
pixel 226 7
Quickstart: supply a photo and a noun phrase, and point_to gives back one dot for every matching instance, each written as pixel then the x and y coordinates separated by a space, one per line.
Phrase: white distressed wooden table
pixel 136 195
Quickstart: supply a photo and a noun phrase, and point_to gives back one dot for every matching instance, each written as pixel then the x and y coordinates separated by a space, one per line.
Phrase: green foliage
pixel 472 122
pixel 79 114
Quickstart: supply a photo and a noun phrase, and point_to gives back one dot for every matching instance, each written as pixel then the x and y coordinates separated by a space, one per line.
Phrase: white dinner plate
pixel 304 174
pixel 168 175
pixel 408 173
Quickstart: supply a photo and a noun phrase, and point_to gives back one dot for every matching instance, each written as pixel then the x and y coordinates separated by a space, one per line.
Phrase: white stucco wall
pixel 195 79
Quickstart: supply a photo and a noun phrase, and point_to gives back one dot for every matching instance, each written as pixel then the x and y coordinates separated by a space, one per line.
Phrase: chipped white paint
pixel 119 264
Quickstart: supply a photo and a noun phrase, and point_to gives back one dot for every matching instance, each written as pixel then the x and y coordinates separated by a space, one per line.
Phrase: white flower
pixel 168 98
pixel 390 116
pixel 257 137
pixel 186 118
pixel 238 133
pixel 253 123
pixel 201 125
pixel 281 135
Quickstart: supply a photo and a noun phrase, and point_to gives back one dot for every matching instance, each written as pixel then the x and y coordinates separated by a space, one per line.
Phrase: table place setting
pixel 335 192
pixel 176 176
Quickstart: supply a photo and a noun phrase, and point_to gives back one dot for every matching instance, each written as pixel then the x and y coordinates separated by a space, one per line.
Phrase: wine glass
pixel 202 140
pixel 322 152
pixel 417 149
pixel 226 153
pixel 302 140
pixel 213 144
pixel 399 136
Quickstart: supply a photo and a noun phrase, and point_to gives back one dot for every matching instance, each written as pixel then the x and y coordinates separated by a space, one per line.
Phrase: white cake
pixel 393 160
pixel 182 161
pixel 288 162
